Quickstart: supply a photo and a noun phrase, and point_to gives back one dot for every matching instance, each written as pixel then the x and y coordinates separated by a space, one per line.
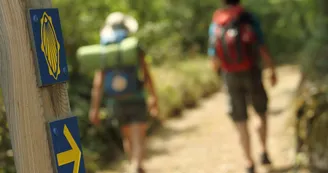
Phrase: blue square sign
pixel 66 145
pixel 48 46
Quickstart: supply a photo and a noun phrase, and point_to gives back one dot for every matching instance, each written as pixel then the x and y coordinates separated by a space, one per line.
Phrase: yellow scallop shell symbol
pixel 119 83
pixel 50 45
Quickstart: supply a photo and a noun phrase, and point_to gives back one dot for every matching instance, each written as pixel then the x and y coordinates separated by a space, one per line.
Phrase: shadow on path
pixel 285 169
pixel 276 111
pixel 294 169
pixel 165 133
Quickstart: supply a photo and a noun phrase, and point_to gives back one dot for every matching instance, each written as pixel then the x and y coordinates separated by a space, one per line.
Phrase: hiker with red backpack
pixel 235 43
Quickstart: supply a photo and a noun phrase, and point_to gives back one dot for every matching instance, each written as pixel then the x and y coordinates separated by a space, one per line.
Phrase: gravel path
pixel 204 140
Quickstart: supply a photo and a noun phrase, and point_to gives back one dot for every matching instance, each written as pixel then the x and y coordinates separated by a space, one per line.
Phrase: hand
pixel 154 111
pixel 273 79
pixel 215 64
pixel 219 72
pixel 153 106
pixel 94 117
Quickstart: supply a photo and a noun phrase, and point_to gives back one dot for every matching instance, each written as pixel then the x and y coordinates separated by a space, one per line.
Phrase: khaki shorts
pixel 243 87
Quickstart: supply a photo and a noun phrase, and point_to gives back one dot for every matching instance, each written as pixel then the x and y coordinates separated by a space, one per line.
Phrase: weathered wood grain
pixel 28 107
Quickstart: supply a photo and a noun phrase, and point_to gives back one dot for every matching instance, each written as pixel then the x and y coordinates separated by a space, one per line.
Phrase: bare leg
pixel 127 144
pixel 245 141
pixel 138 136
pixel 262 130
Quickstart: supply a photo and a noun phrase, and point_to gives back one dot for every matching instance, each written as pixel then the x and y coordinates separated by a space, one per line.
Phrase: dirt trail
pixel 204 139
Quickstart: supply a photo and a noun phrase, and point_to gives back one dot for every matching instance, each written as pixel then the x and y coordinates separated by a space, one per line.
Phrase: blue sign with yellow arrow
pixel 48 45
pixel 67 150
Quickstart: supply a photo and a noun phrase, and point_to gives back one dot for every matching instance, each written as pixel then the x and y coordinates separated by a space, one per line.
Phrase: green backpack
pixel 119 61
pixel 94 57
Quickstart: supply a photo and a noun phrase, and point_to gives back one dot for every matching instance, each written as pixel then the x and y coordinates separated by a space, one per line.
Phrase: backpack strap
pixel 239 19
pixel 103 57
pixel 119 55
pixel 224 45
pixel 233 22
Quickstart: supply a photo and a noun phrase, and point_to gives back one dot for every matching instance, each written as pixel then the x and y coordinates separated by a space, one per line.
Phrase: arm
pixel 211 52
pixel 148 79
pixel 149 82
pixel 96 96
pixel 266 57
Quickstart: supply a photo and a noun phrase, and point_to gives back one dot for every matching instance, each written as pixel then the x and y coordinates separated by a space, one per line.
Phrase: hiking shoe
pixel 139 170
pixel 265 159
pixel 251 169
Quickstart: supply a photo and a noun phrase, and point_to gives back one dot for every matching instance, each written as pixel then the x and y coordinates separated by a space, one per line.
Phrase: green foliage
pixel 183 84
pixel 313 111
pixel 312 118
pixel 6 154
pixel 169 29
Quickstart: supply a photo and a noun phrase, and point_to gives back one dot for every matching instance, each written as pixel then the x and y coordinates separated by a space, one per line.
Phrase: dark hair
pixel 231 2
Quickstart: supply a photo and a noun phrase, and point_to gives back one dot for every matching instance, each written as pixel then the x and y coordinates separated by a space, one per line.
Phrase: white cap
pixel 118 18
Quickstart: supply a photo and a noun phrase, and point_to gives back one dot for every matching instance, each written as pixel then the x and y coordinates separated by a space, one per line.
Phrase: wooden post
pixel 28 107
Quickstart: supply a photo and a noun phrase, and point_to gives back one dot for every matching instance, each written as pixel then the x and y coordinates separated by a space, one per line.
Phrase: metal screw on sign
pixel 65 70
pixel 35 18
pixel 55 131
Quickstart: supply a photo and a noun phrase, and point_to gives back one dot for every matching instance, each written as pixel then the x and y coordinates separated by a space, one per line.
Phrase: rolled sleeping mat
pixel 93 57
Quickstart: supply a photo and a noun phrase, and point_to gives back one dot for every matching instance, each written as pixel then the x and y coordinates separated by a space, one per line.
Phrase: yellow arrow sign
pixel 73 155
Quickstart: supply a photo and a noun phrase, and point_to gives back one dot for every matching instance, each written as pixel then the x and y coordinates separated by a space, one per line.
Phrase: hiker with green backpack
pixel 122 76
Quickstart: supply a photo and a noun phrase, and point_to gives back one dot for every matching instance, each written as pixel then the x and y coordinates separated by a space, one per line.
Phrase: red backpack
pixel 235 39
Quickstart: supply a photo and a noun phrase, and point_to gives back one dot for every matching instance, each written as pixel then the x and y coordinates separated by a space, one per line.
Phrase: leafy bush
pixel 6 154
pixel 312 120
pixel 183 84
